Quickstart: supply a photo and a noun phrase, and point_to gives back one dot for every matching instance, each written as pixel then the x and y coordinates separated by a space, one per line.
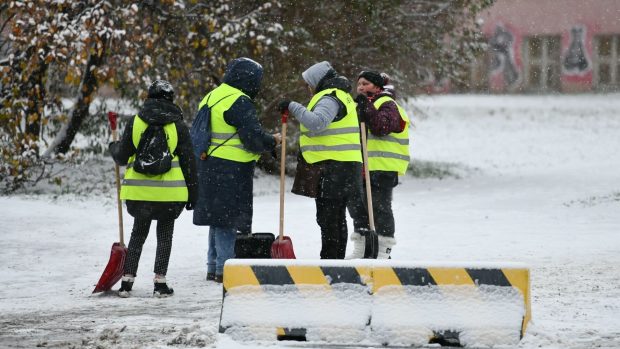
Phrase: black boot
pixel 161 289
pixel 126 285
pixel 218 278
pixel 210 276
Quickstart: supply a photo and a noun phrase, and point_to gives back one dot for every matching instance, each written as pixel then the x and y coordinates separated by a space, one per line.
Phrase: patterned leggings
pixel 140 231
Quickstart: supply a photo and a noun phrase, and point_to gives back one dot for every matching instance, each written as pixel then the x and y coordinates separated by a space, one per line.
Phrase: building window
pixel 607 61
pixel 541 58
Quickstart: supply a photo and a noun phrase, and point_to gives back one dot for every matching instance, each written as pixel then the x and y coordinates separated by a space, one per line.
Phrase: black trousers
pixel 140 231
pixel 331 217
pixel 338 181
pixel 382 187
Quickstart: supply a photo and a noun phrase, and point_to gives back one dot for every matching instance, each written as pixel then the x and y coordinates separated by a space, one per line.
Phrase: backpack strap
pixel 221 144
pixel 227 139
pixel 221 99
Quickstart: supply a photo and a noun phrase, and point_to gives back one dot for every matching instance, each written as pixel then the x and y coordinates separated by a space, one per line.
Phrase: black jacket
pixel 160 112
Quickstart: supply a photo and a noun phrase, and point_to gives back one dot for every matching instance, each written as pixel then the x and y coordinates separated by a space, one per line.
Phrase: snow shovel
pixel 114 270
pixel 282 247
pixel 372 239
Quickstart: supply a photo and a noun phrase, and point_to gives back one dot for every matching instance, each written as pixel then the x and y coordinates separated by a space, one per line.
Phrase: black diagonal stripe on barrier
pixel 414 276
pixel 488 277
pixel 342 275
pixel 272 275
pixel 294 334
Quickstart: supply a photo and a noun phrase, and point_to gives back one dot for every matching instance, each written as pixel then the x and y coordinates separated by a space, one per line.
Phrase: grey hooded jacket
pixel 325 110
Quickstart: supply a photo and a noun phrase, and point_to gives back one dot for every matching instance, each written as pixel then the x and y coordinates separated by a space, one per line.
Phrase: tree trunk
pixel 36 92
pixel 80 111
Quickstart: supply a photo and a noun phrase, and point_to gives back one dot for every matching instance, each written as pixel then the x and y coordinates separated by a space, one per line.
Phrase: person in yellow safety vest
pixel 226 175
pixel 388 157
pixel 159 197
pixel 329 142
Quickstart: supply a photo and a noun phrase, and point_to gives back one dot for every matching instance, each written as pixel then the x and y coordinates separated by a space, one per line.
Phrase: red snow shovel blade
pixel 282 248
pixel 114 270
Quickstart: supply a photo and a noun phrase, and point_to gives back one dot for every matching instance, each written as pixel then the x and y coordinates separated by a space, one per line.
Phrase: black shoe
pixel 161 289
pixel 219 279
pixel 210 276
pixel 126 285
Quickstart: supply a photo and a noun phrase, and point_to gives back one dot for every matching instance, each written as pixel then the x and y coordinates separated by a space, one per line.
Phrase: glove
pixel 362 107
pixel 361 99
pixel 189 206
pixel 283 105
pixel 113 148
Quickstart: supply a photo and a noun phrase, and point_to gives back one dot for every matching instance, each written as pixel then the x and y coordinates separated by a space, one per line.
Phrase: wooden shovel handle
pixel 112 117
pixel 282 173
pixel 371 215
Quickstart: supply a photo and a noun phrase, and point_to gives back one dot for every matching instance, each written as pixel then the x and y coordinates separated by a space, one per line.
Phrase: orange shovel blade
pixel 282 248
pixel 114 270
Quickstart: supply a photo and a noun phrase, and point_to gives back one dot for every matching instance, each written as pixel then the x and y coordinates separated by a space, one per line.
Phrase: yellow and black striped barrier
pixel 256 274
pixel 391 303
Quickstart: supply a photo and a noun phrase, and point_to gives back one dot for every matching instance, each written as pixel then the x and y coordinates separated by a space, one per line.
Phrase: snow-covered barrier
pixel 481 305
pixel 375 302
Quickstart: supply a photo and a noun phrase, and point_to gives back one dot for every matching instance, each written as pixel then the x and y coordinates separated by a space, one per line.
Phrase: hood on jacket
pixel 244 74
pixel 158 111
pixel 161 89
pixel 315 73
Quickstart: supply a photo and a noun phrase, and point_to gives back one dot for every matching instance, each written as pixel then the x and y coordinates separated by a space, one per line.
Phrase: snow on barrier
pixel 375 302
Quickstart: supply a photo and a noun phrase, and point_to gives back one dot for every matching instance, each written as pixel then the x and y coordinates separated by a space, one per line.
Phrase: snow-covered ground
pixel 535 179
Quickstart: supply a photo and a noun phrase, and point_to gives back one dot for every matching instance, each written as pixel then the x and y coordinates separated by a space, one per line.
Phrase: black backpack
pixel 153 157
pixel 200 132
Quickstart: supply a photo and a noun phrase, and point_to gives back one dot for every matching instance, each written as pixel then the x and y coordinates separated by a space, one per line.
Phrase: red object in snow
pixel 112 117
pixel 114 270
pixel 282 248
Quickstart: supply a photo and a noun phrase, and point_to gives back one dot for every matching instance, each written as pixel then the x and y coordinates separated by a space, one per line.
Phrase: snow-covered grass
pixel 537 182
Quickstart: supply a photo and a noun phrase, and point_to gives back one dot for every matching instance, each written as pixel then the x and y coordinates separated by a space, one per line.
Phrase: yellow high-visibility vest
pixel 166 187
pixel 220 100
pixel 389 152
pixel 340 141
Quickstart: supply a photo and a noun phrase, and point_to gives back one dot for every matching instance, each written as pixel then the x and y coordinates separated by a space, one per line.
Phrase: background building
pixel 550 46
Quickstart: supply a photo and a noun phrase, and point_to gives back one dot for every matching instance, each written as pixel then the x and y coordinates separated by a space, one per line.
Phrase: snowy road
pixel 540 184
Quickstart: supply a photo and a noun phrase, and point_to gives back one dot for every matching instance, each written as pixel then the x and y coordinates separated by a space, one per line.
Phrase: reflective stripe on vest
pixel 230 149
pixel 166 187
pixel 389 152
pixel 340 141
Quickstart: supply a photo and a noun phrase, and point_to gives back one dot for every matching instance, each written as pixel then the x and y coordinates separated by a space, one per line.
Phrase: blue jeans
pixel 221 248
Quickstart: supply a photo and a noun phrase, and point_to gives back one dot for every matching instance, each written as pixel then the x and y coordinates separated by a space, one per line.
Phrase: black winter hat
pixel 373 77
pixel 161 89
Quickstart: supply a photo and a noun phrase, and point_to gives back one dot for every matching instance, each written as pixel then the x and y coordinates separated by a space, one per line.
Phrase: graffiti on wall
pixel 575 59
pixel 503 55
